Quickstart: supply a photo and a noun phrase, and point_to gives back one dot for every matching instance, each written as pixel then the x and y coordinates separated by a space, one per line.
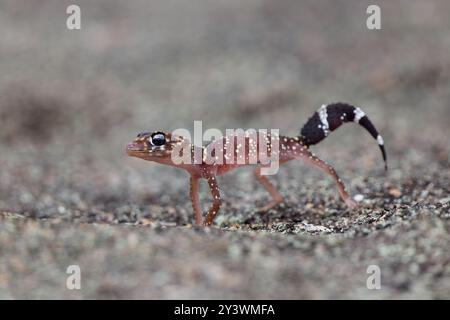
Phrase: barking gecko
pixel 158 146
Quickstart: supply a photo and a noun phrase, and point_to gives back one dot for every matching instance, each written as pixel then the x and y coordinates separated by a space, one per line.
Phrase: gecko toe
pixel 352 204
pixel 268 207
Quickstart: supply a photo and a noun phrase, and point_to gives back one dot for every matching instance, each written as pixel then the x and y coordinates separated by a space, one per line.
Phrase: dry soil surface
pixel 71 100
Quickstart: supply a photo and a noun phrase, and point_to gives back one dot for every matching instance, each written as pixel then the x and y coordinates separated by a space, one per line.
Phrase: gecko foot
pixel 352 204
pixel 269 206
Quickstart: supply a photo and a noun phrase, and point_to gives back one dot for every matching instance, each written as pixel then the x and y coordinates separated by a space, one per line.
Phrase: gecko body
pixel 160 147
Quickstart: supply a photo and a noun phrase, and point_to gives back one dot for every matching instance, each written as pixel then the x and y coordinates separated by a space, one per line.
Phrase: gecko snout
pixel 134 147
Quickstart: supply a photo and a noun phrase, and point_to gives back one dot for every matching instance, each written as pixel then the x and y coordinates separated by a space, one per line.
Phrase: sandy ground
pixel 71 100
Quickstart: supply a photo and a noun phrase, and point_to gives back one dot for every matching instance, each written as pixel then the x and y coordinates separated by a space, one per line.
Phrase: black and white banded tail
pixel 330 117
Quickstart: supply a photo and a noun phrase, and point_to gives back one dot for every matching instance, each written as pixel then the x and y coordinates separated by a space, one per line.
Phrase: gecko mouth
pixel 134 148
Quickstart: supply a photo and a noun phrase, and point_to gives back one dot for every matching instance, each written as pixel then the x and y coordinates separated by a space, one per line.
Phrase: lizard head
pixel 153 146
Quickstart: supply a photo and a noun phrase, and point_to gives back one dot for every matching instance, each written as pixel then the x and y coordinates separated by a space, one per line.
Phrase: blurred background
pixel 70 100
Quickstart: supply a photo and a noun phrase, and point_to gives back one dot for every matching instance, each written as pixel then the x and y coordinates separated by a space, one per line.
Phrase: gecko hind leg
pixel 277 198
pixel 329 170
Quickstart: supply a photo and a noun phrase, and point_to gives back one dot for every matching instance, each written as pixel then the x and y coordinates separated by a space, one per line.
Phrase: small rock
pixel 395 192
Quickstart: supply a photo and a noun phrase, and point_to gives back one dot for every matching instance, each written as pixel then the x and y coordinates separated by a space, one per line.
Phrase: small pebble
pixel 395 192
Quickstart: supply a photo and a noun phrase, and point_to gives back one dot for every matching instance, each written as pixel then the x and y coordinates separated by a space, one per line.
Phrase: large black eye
pixel 158 139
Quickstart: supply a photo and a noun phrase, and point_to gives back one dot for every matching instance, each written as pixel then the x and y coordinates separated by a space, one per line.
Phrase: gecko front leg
pixel 194 183
pixel 217 201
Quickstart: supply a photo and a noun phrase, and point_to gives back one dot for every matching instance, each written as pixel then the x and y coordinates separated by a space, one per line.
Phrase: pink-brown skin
pixel 289 149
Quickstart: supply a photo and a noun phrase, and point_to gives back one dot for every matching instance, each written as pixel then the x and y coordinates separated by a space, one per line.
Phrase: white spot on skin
pixel 358 114
pixel 380 140
pixel 323 118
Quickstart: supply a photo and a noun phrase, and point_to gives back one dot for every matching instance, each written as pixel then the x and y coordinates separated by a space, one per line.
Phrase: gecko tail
pixel 330 117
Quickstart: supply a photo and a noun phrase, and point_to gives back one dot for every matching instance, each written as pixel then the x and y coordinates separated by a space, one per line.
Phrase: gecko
pixel 157 146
